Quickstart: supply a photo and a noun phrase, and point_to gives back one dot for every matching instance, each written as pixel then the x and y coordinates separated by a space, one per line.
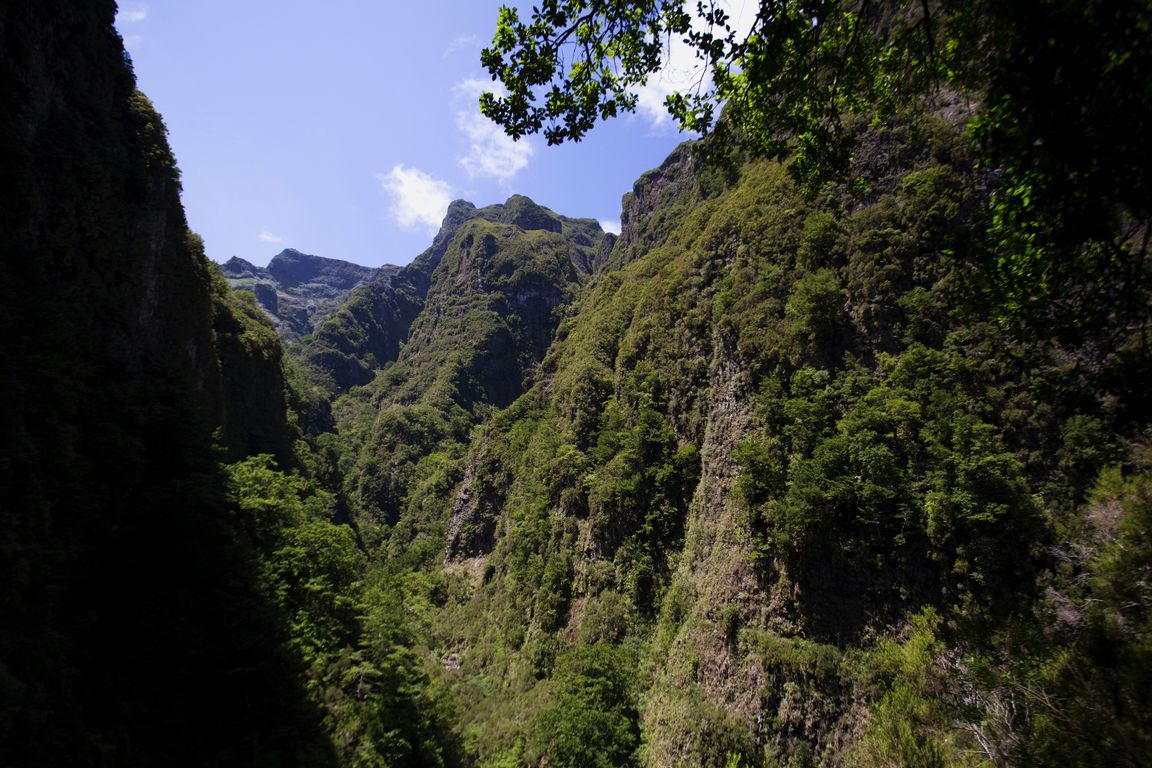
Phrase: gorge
pixel 765 480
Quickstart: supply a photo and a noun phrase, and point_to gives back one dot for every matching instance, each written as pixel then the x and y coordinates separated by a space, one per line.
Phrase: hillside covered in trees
pixel 838 455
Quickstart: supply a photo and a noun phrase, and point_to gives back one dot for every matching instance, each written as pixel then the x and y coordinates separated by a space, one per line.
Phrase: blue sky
pixel 344 128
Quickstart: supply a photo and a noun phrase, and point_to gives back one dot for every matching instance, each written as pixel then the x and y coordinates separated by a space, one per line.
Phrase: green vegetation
pixel 1066 241
pixel 347 624
pixel 497 282
pixel 775 462
pixel 160 608
pixel 591 718
pixel 759 484
pixel 125 580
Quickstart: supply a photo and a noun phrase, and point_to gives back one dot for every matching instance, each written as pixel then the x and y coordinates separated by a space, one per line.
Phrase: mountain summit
pixel 494 256
pixel 298 290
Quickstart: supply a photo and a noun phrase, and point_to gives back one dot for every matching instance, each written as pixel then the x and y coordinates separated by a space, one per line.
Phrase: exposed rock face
pixel 656 200
pixel 476 508
pixel 299 290
pixel 522 212
pixel 236 268
pixel 268 298
pixel 291 268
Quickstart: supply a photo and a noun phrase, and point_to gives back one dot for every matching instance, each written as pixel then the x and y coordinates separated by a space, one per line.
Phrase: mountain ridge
pixel 453 337
pixel 299 290
pixel 375 321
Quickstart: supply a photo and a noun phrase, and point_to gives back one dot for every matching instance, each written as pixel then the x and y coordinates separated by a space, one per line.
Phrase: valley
pixel 781 475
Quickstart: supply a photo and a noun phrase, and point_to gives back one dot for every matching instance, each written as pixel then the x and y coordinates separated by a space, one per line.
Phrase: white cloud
pixel 471 88
pixel 418 199
pixel 126 16
pixel 682 70
pixel 463 43
pixel 268 237
pixel 610 225
pixel 491 152
pixel 131 15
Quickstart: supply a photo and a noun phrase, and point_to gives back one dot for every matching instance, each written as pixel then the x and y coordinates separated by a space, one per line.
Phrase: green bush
pixel 591 719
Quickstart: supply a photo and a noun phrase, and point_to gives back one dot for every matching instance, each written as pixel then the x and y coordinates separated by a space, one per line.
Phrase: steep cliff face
pixel 123 584
pixel 298 290
pixel 255 394
pixel 366 333
pixel 658 199
pixel 764 452
pixel 495 297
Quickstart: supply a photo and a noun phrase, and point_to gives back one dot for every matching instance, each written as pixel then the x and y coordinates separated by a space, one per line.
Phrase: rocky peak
pixel 420 270
pixel 520 211
pixel 237 267
pixel 458 211
pixel 476 259
pixel 291 268
pixel 642 218
pixel 298 289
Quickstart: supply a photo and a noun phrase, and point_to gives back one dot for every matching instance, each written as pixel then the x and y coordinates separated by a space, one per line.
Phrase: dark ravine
pixel 125 579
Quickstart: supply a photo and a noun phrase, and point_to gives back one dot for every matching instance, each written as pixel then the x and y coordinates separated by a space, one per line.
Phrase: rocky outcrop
pixel 290 269
pixel 657 200
pixel 476 508
pixel 299 290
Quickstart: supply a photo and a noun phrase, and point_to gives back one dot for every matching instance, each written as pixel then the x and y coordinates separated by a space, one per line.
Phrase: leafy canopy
pixel 796 72
pixel 1064 91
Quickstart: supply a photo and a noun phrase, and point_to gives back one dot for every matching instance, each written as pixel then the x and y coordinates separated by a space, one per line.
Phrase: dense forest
pixel 837 455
